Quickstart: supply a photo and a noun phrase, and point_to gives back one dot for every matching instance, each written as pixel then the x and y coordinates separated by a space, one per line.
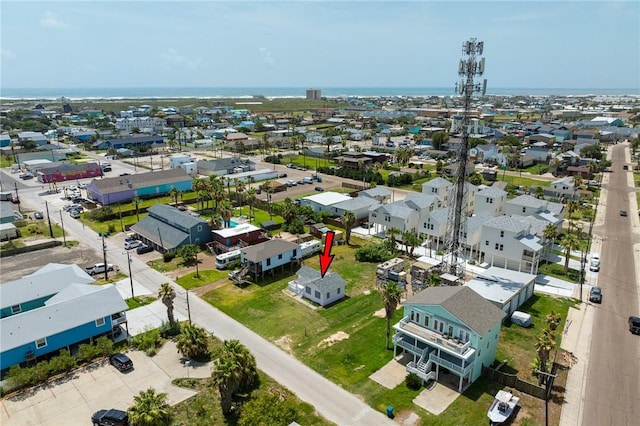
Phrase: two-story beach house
pixel 452 328
pixel 266 257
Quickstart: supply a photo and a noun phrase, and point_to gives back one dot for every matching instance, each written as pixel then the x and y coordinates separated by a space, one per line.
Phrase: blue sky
pixel 528 44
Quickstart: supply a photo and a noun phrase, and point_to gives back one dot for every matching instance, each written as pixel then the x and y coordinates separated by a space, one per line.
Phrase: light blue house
pixel 268 256
pixel 76 314
pixel 451 328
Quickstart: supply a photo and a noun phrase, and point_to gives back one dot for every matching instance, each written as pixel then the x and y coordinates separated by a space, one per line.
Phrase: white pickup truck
pixel 98 268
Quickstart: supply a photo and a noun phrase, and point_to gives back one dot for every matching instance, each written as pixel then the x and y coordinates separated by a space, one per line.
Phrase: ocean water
pixel 279 92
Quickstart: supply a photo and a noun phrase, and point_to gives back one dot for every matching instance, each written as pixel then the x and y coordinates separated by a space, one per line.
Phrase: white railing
pixel 434 336
pixel 406 345
pixel 412 368
pixel 449 365
pixel 118 318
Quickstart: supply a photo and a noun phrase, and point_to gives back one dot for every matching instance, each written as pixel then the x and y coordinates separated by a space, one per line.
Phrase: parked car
pixel 282 175
pixel 595 295
pixel 634 325
pixel 111 417
pixel 623 213
pixel 25 175
pixel 144 249
pixel 594 265
pixel 38 215
pixel 74 213
pixel 319 189
pixel 98 268
pixel 121 362
pixel 128 245
pixel 290 165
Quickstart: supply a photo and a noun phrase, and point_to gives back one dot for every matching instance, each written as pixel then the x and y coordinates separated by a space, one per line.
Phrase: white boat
pixel 502 407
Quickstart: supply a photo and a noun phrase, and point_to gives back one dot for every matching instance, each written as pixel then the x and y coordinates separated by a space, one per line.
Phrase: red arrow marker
pixel 326 258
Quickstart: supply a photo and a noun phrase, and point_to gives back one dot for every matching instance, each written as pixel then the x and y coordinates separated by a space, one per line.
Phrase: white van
pixel 521 318
pixel 307 179
pixel 309 248
pixel 225 259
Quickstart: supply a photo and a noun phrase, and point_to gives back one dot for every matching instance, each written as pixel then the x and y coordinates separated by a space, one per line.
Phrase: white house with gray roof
pixel 438 186
pixel 380 193
pixel 507 242
pixel 359 206
pixel 546 212
pixel 269 256
pixel 321 290
pixel 491 201
pixel 323 201
pixel 394 215
pixel 452 328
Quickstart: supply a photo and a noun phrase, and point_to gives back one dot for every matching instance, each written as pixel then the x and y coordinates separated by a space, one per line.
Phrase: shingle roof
pixel 492 192
pixel 377 191
pixel 463 303
pixel 356 203
pixel 437 183
pixel 142 180
pixel 173 215
pixel 331 280
pixel 160 232
pixel 268 249
pixel 506 223
pixel 421 200
pixel 528 201
pixel 397 209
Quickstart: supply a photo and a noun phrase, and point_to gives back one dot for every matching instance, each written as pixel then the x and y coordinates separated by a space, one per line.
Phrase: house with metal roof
pixel 321 290
pixel 132 142
pixel 359 206
pixel 448 327
pixel 379 193
pixel 44 321
pixel 166 228
pixel 236 237
pixel 506 289
pixel 65 172
pixel 323 201
pixel 225 166
pixel 268 257
pixel 143 185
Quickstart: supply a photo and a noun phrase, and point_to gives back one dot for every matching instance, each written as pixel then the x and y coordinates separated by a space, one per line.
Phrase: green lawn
pixel 557 271
pixel 523 181
pixel 40 228
pixel 136 302
pixel 205 277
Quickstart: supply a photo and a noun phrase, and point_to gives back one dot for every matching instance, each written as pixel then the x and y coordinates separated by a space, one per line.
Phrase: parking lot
pixel 71 400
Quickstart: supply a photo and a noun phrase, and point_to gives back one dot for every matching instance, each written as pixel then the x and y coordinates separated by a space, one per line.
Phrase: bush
pixel 413 381
pixel 87 352
pixel 148 342
pixel 63 362
pixel 18 376
pixel 168 330
pixel 104 346
pixel 168 256
pixel 374 252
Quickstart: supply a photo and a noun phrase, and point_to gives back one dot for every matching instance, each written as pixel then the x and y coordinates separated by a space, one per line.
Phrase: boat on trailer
pixel 502 407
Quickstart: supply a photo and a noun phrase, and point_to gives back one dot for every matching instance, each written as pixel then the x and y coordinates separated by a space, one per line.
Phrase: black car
pixel 634 325
pixel 38 215
pixel 623 213
pixel 319 189
pixel 595 295
pixel 144 249
pixel 121 362
pixel 111 417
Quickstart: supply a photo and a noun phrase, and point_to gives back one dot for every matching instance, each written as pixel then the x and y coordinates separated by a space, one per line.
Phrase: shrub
pixel 413 381
pixel 63 362
pixel 104 346
pixel 40 372
pixel 169 330
pixel 168 256
pixel 373 253
pixel 111 228
pixel 86 352
pixel 18 376
pixel 148 342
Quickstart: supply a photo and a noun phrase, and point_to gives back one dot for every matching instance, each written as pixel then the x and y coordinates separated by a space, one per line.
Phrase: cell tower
pixel 470 67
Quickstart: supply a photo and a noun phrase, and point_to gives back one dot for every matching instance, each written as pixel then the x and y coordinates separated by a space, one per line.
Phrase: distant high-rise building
pixel 313 95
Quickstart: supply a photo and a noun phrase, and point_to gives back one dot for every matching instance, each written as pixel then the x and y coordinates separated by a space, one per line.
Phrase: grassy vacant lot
pixel 205 277
pixel 346 342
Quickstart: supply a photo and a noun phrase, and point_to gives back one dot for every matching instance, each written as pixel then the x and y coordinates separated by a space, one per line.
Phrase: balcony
pixel 433 337
pixel 119 318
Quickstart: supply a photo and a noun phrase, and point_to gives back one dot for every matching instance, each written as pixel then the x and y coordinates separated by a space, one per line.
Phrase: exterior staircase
pixel 422 368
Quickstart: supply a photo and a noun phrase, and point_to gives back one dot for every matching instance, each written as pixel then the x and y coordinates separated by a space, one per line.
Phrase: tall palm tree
pixel 136 203
pixel 434 280
pixel 251 199
pixel 240 187
pixel 348 219
pixel 245 362
pixel 174 193
pixel 544 344
pixel 226 211
pixel 569 242
pixel 289 211
pixel 539 192
pixel 549 233
pixel 410 241
pixel 216 186
pixel 225 377
pixel 167 294
pixel 150 409
pixel 572 207
pixel 192 341
pixel 392 232
pixel 391 295
pixel 200 186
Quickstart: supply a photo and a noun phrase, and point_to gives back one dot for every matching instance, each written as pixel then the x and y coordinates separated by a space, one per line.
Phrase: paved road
pixel 330 400
pixel 612 395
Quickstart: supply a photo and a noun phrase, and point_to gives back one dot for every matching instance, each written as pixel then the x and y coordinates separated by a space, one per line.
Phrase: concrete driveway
pixel 73 399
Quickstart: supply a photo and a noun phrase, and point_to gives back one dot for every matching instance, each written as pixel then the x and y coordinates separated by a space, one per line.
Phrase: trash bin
pixel 390 411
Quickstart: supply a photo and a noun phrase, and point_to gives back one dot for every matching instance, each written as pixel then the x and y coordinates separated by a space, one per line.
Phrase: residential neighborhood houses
pixel 217 196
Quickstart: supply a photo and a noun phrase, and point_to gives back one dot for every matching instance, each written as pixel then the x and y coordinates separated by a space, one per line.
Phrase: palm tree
pixel 216 186
pixel 539 192
pixel 391 295
pixel 572 207
pixel 200 186
pixel 348 219
pixel 192 341
pixel 136 203
pixel 150 409
pixel 544 344
pixel 434 279
pixel 226 211
pixel 289 211
pixel 251 199
pixel 174 193
pixel 167 294
pixel 569 242
pixel 245 362
pixel 549 233
pixel 553 320
pixel 225 376
pixel 410 241
pixel 392 232
pixel 240 187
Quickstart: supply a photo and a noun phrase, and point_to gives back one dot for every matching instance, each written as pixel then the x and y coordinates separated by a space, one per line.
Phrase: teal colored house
pixel 38 323
pixel 452 328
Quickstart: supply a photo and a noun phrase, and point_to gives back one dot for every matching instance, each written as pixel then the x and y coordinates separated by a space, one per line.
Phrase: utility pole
pixel 64 237
pixel 188 307
pixel 46 205
pixel 548 384
pixel 104 257
pixel 15 185
pixel 130 276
